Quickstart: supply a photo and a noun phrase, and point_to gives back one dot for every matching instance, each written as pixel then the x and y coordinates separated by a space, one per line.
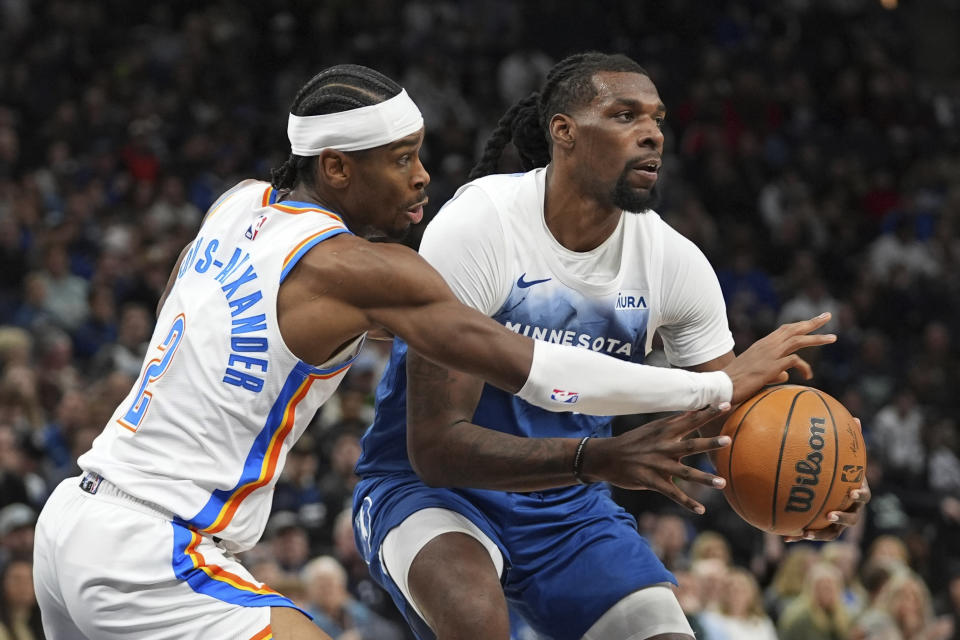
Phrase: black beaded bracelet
pixel 578 460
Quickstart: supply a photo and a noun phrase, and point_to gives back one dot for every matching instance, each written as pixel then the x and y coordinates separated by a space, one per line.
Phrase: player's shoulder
pixel 671 239
pixel 483 206
pixel 354 269
pixel 346 256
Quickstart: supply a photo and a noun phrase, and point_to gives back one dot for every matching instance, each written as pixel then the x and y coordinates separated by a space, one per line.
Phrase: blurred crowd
pixel 812 153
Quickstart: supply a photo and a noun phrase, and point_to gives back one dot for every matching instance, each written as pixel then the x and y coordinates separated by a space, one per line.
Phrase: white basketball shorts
pixel 109 567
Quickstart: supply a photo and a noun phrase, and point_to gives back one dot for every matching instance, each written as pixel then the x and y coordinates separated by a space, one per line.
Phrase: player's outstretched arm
pixel 346 286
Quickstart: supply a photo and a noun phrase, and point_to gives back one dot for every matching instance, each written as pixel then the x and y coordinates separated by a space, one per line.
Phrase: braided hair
pixel 338 88
pixel 568 85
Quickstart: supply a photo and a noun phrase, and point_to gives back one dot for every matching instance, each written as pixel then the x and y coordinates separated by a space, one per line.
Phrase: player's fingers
pixel 815 340
pixel 846 518
pixel 685 422
pixel 673 492
pixel 695 475
pixel 861 496
pixel 807 326
pixel 794 361
pixel 823 535
pixel 692 446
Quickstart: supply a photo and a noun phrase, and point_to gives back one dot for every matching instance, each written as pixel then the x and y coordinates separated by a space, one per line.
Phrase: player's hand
pixel 768 360
pixel 841 519
pixel 648 457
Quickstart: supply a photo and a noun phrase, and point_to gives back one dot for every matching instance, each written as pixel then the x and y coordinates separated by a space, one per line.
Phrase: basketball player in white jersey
pixel 262 316
pixel 567 253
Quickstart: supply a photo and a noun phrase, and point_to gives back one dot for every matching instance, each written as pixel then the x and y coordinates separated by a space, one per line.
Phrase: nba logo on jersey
pixel 566 397
pixel 90 482
pixel 254 228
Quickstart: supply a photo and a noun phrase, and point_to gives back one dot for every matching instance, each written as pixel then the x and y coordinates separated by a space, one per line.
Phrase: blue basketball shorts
pixel 569 554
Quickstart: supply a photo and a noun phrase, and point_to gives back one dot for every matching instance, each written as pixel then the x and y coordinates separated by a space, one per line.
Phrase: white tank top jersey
pixel 492 245
pixel 206 428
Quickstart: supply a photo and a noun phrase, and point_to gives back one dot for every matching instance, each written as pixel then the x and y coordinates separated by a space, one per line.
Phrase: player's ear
pixel 563 130
pixel 334 168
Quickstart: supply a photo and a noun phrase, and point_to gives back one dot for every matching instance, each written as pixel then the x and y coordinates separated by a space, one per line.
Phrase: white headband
pixel 356 129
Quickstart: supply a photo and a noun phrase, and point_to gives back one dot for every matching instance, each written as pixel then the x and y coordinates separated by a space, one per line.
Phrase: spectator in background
pixel 20 404
pixel 126 354
pixel 691 601
pixel 298 489
pixel 711 574
pixel 338 482
pixel 788 580
pixel 289 541
pixel 903 606
pixel 901 253
pixel 947 604
pixel 19 613
pixel 943 464
pixel 935 369
pixel 845 556
pixel 17 522
pixel 669 541
pixel 66 293
pixel 889 549
pixel 359 583
pixel 333 609
pixel 820 612
pixel 813 295
pixel 13 488
pixel 100 327
pixel 16 346
pixel 56 372
pixel 710 544
pixel 32 313
pixel 896 435
pixel 740 615
pixel 171 211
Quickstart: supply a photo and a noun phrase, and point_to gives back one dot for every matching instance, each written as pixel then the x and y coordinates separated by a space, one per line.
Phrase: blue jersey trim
pixel 303 250
pixel 220 588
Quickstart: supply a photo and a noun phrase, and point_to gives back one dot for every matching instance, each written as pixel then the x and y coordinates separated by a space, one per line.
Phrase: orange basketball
pixel 795 456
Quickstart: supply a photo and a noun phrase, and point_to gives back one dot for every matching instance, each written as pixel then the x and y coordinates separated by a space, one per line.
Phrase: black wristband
pixel 578 460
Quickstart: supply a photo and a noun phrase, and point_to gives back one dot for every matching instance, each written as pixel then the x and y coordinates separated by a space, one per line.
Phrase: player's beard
pixel 631 199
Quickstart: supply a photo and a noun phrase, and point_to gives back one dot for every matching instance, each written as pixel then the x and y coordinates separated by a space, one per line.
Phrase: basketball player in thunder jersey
pixel 262 316
pixel 554 254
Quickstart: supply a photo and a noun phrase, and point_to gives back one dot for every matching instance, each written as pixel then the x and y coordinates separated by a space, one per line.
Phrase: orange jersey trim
pixel 219 573
pixel 264 634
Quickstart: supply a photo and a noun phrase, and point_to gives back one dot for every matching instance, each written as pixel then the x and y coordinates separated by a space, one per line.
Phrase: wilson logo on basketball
pixel 808 470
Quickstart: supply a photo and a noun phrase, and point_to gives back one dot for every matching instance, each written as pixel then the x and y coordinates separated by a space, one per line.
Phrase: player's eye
pixel 404 159
pixel 659 120
pixel 624 116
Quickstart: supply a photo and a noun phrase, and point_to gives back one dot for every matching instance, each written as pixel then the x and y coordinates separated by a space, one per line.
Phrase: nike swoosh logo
pixel 523 284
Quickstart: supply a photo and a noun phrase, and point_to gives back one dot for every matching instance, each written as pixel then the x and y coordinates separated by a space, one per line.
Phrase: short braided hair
pixel 338 88
pixel 568 85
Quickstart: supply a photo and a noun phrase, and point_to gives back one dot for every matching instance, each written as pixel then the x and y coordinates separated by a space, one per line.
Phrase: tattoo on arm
pixel 465 454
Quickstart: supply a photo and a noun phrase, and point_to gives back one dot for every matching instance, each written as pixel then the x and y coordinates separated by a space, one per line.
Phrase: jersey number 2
pixel 133 416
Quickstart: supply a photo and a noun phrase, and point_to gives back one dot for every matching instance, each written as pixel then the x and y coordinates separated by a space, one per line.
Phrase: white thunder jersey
pixel 494 248
pixel 221 399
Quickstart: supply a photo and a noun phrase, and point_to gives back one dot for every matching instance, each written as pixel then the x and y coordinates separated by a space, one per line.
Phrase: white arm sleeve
pixel 564 378
pixel 693 320
pixel 465 243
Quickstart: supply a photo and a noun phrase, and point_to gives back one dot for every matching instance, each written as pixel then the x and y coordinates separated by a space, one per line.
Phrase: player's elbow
pixel 427 466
